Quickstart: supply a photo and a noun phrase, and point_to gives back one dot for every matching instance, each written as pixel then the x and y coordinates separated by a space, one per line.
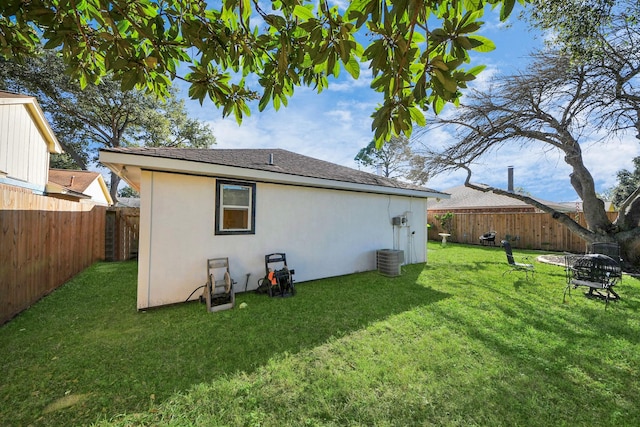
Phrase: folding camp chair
pixel 517 266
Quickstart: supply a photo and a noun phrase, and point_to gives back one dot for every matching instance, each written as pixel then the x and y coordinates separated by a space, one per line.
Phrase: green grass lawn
pixel 449 343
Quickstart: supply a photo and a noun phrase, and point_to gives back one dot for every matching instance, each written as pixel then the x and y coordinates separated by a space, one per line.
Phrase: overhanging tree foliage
pixel 101 115
pixel 414 49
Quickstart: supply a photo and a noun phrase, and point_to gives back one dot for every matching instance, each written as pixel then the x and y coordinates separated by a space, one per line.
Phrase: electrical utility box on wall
pixel 400 221
pixel 389 262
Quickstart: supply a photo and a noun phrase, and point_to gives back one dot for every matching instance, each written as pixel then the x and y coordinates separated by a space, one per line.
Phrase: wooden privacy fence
pixel 122 232
pixel 44 242
pixel 528 230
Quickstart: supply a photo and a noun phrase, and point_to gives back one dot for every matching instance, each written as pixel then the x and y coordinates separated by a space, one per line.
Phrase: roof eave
pixel 121 164
pixel 53 188
pixel 105 190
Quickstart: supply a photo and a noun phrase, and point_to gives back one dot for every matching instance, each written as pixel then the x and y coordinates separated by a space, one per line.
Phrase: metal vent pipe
pixel 510 179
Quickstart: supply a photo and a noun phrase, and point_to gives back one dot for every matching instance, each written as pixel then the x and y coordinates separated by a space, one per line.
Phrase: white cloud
pixel 604 160
pixel 343 116
pixel 347 83
pixel 484 80
pixel 310 128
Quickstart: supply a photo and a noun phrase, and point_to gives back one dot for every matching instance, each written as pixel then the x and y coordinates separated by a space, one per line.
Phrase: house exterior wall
pixel 97 194
pixel 24 155
pixel 323 232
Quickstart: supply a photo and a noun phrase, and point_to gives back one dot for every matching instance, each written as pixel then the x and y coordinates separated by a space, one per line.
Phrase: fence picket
pixel 531 230
pixel 44 242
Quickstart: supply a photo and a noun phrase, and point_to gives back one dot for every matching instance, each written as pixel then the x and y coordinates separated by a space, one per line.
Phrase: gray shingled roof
pixel 285 162
pixel 463 197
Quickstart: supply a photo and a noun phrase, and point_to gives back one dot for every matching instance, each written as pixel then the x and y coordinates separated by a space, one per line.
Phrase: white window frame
pixel 220 207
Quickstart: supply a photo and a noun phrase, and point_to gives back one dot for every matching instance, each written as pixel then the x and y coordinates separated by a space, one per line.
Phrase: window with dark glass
pixel 235 207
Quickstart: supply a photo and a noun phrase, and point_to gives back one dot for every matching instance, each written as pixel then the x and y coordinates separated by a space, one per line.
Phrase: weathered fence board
pixel 525 230
pixel 122 231
pixel 44 242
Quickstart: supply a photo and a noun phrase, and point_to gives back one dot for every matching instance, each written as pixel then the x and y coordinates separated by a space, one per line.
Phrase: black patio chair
pixel 596 272
pixel 488 238
pixel 517 266
pixel 611 250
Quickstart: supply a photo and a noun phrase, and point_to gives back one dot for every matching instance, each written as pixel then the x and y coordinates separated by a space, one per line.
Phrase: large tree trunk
pixel 113 191
pixel 582 181
pixel 74 156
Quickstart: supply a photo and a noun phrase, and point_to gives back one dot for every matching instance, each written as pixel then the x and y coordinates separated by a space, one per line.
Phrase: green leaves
pixel 304 13
pixel 353 67
pixel 507 8
pixel 414 51
pixel 481 44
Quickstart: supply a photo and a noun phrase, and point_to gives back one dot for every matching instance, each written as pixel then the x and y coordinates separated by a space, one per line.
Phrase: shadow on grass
pixel 547 348
pixel 88 339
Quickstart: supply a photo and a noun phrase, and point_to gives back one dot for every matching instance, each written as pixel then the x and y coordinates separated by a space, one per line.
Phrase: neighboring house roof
pixel 79 183
pixel 8 98
pixel 267 165
pixel 463 197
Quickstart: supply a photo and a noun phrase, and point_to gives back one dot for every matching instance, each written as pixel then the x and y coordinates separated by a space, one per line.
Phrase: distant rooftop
pixel 463 197
pixel 76 180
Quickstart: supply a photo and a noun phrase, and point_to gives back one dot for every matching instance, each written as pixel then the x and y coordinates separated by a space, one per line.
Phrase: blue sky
pixel 336 124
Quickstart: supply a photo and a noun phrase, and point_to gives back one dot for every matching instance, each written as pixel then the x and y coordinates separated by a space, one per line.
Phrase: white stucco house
pixel 246 203
pixel 26 142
